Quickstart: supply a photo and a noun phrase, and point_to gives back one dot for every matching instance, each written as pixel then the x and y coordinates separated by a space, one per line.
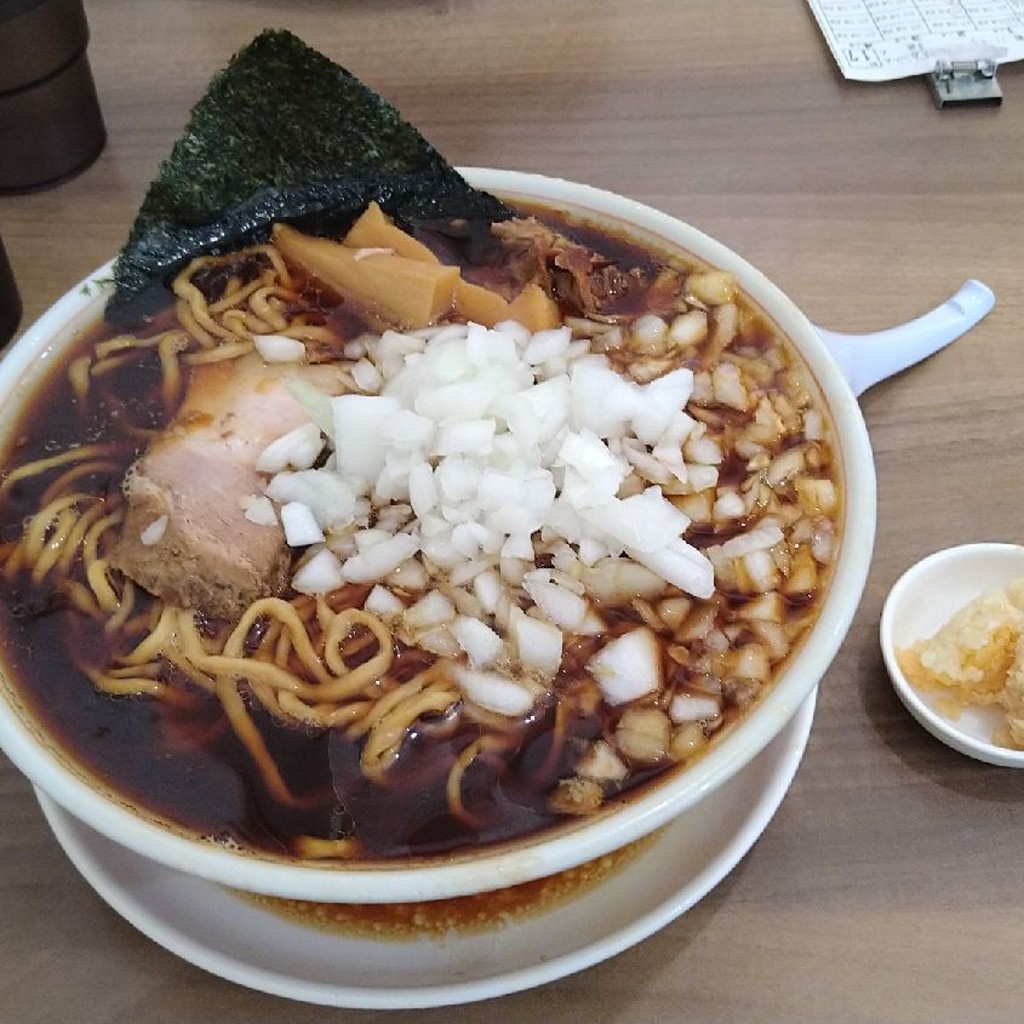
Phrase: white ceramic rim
pixel 941 727
pixel 487 870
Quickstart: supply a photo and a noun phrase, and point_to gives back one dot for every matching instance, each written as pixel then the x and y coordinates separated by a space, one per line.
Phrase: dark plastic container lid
pixel 50 122
pixel 10 300
pixel 38 38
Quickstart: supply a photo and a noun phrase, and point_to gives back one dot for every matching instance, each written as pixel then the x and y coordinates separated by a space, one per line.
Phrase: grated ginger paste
pixel 976 659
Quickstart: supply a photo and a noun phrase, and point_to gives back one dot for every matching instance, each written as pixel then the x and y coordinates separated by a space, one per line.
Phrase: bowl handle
pixel 865 359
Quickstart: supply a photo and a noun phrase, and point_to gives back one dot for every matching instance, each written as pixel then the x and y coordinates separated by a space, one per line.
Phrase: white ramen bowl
pixel 42 760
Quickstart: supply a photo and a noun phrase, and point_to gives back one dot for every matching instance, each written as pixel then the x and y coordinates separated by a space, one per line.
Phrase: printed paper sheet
pixel 879 40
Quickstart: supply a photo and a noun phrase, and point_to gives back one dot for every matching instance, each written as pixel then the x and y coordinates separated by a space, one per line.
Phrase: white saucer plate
pixel 235 938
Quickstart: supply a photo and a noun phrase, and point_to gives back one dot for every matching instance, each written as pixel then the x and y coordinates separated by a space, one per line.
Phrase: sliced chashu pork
pixel 197 474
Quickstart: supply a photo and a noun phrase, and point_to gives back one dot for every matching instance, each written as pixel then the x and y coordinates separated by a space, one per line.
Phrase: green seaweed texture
pixel 283 134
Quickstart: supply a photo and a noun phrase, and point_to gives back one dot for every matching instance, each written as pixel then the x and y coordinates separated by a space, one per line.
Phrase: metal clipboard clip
pixel 958 82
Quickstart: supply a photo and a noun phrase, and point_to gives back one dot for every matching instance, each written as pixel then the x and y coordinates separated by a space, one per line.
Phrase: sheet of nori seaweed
pixel 283 134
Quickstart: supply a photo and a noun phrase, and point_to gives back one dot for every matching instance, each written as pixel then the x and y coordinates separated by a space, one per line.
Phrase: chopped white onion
pixel 378 561
pixel 466 572
pixel 259 509
pixel 628 667
pixel 562 607
pixel 316 403
pixel 469 436
pixel 729 505
pixel 661 410
pixel 678 563
pixel 814 425
pixel 649 330
pixel 277 348
pixel 688 707
pixel 602 763
pixel 381 601
pixel 545 345
pixel 368 538
pixel 433 609
pixel 761 569
pixel 439 640
pixel 538 644
pixel 330 497
pixel 618 580
pixel 728 386
pixel 515 330
pixel 823 541
pixel 703 450
pixel 423 493
pixel 760 538
pixel 393 518
pixel 300 526
pixel 487 589
pixel 702 477
pixel 410 576
pixel 494 692
pixel 154 533
pixel 645 522
pixel 299 449
pixel 483 646
pixel 366 375
pixel 359 421
pixel 320 574
pixel 464 541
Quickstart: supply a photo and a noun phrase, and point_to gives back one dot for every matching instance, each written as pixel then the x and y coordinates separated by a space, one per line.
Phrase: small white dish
pixel 233 937
pixel 921 601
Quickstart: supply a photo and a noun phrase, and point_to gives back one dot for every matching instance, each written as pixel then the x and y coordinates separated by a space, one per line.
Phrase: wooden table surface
pixel 890 885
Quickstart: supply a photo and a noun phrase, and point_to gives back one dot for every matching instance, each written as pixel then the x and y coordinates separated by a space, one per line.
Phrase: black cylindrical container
pixel 50 122
pixel 10 300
